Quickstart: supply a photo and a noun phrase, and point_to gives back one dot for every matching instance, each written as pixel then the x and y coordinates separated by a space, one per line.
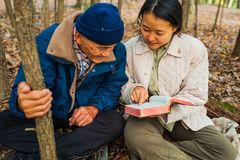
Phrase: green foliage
pixel 83 5
pixel 231 3
pixel 228 106
pixel 226 46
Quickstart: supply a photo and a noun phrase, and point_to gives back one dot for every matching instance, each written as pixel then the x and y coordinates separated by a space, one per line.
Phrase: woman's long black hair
pixel 169 10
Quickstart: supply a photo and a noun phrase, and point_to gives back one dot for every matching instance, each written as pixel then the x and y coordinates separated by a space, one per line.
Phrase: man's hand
pixel 139 95
pixel 34 104
pixel 83 116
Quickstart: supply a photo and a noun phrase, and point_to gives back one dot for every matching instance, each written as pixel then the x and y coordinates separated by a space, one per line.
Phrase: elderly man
pixel 83 64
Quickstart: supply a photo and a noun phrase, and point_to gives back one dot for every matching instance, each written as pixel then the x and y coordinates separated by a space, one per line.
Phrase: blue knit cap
pixel 101 23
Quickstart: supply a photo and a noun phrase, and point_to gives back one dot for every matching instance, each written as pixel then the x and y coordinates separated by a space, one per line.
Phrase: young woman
pixel 163 61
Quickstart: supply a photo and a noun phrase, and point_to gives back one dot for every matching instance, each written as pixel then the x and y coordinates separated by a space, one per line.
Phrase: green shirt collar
pixel 173 47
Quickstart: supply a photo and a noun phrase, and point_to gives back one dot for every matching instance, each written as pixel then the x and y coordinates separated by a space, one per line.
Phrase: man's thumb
pixel 23 87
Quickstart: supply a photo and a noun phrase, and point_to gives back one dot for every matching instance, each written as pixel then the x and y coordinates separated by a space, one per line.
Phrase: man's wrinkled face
pixel 95 52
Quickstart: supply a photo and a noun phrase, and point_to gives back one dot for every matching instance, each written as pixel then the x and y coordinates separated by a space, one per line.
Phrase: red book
pixel 157 105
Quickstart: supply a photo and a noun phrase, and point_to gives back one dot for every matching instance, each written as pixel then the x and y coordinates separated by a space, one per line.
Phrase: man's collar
pixel 61 44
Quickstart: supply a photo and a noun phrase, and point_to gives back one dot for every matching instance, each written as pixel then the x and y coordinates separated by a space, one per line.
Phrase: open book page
pixel 181 101
pixel 157 105
pixel 160 99
pixel 145 105
pixel 168 99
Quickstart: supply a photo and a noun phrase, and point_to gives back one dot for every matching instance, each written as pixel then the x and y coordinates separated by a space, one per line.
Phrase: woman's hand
pixel 139 95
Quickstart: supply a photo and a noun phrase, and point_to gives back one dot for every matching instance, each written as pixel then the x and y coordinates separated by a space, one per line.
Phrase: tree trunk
pixel 94 1
pixel 4 86
pixel 46 14
pixel 222 11
pixel 120 6
pixel 32 70
pixel 55 10
pixel 216 18
pixel 79 4
pixel 226 1
pixel 230 3
pixel 185 8
pixel 238 4
pixel 196 18
pixel 215 109
pixel 10 12
pixel 236 50
pixel 60 11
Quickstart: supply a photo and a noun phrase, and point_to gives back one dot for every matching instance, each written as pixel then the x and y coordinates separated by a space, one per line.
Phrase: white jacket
pixel 183 73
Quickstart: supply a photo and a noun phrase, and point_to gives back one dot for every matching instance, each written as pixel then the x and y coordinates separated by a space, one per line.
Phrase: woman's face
pixel 156 31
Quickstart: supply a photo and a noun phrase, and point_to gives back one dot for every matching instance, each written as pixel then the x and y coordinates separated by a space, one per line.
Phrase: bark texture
pixel 26 35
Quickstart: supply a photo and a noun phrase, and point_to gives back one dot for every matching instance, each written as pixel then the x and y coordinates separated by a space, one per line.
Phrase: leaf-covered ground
pixel 224 76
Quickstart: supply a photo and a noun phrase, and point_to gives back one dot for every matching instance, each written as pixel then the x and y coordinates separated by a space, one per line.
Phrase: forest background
pixel 215 22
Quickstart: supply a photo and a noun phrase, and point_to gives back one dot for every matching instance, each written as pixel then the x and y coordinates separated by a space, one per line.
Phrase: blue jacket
pixel 101 87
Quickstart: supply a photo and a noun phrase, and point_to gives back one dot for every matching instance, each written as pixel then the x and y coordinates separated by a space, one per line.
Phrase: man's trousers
pixel 19 134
